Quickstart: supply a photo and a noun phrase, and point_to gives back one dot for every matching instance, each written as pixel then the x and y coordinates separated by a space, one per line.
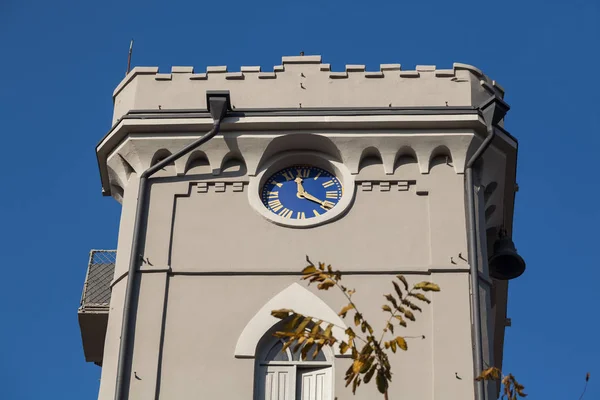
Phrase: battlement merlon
pixel 304 82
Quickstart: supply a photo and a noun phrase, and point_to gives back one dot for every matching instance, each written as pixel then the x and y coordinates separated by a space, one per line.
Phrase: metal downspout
pixel 217 103
pixel 493 111
pixel 472 236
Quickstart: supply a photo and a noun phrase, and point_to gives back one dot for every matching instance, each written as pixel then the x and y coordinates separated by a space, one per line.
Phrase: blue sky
pixel 62 59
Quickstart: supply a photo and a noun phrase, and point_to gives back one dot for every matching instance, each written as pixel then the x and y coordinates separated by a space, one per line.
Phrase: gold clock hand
pixel 308 196
pixel 301 190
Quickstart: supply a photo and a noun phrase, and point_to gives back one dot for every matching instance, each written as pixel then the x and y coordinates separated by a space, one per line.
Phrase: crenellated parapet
pixel 304 81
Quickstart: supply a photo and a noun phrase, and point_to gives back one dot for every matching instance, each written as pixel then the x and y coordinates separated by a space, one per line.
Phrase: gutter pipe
pixel 493 111
pixel 218 104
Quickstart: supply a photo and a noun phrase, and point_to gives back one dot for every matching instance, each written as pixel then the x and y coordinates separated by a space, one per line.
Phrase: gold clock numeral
pixel 274 182
pixel 331 194
pixel 286 213
pixel 288 176
pixel 275 205
pixel 328 183
pixel 273 195
pixel 316 213
pixel 318 175
pixel 301 215
pixel 303 173
pixel 327 205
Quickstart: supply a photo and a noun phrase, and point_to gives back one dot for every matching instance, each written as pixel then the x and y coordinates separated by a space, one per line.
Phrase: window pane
pixel 309 356
pixel 275 353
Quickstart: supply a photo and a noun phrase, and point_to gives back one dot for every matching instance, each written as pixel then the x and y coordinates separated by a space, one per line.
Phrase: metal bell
pixel 505 263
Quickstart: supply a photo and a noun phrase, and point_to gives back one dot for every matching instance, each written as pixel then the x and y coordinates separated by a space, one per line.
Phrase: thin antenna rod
pixel 129 57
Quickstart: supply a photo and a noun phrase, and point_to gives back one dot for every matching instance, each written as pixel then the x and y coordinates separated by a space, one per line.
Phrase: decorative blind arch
pixel 295 297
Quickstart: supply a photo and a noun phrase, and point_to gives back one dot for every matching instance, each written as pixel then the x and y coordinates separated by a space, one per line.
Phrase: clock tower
pixel 228 180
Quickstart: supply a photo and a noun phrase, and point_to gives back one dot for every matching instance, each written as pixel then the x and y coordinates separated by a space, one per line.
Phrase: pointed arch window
pixel 285 376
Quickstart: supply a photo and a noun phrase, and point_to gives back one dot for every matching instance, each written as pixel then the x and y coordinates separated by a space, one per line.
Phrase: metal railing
pixel 100 273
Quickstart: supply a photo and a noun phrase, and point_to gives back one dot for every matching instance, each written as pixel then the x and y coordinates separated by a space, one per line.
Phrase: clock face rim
pixel 313 158
pixel 323 191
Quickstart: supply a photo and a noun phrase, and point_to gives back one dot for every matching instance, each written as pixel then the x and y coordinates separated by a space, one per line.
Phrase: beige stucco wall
pixel 188 322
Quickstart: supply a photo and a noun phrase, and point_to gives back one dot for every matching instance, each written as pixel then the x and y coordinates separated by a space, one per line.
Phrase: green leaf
pixel 397 289
pixel 382 383
pixel 357 318
pixel 403 280
pixel 369 374
pixel 392 300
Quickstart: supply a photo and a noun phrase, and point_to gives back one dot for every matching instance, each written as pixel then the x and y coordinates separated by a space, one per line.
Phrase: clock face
pixel 301 192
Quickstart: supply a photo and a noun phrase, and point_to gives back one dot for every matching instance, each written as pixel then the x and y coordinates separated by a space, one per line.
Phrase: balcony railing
pixel 95 303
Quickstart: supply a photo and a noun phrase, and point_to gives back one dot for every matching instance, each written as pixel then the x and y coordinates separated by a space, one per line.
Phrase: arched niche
pixel 294 297
pixel 158 156
pixel 406 163
pixel 197 163
pixel 233 165
pixel 300 142
pixel 440 157
pixel 370 165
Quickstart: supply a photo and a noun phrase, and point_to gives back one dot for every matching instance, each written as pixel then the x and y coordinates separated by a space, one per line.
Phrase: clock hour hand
pixel 310 197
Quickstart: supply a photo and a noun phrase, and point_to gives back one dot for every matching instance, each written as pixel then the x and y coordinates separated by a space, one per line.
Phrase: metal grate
pixel 100 273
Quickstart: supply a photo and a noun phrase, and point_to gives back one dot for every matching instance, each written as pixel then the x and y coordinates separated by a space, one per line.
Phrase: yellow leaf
pixel 491 373
pixel 316 328
pixel 393 345
pixel 427 287
pixel 385 307
pixel 281 313
pixel 303 325
pixel 344 347
pixel 420 296
pixel 345 310
pixel 327 332
pixel 326 284
pixel 390 327
pixel 357 319
pixel 400 320
pixel 351 292
pixel 409 315
pixel 356 366
pixel 386 345
pixel 309 270
pixel 402 343
pixel 350 333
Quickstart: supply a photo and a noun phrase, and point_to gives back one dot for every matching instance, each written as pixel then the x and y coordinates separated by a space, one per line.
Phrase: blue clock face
pixel 301 192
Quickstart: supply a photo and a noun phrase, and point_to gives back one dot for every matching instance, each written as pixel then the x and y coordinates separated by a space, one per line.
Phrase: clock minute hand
pixel 301 190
